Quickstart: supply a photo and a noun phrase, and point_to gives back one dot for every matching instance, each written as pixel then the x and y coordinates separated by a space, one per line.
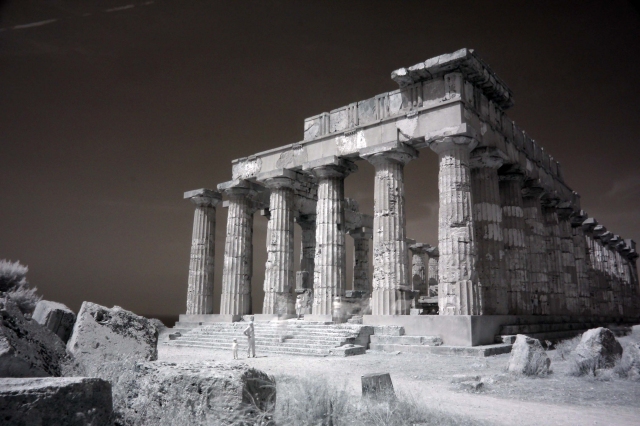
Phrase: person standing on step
pixel 234 348
pixel 251 339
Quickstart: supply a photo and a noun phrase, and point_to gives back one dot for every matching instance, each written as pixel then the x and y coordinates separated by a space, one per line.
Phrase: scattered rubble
pixel 27 349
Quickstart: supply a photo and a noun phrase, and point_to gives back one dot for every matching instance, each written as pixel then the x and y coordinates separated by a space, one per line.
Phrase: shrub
pixel 315 402
pixel 14 285
pixel 565 347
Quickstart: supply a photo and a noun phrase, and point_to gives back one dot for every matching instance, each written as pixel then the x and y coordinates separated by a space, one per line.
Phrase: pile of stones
pixel 100 368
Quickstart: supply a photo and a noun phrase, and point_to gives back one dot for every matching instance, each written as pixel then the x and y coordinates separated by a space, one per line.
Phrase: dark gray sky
pixel 110 112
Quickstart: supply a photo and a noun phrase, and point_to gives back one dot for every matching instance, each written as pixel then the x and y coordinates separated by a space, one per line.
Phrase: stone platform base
pixel 469 351
pixel 268 317
pixel 476 330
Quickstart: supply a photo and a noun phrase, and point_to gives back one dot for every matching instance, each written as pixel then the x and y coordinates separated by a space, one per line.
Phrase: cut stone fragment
pixel 598 348
pixel 192 393
pixel 377 386
pixel 471 386
pixel 56 317
pixel 528 357
pixel 27 349
pixel 107 335
pixel 60 401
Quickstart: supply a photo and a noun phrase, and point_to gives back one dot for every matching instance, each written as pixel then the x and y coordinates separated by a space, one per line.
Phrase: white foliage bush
pixel 14 285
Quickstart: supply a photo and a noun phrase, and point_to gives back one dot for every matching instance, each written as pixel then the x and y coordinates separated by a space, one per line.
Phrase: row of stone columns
pixel 505 245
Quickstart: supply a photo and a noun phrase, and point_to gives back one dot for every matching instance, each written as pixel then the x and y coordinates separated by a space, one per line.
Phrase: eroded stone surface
pixel 60 401
pixel 528 357
pixel 27 349
pixel 107 335
pixel 598 347
pixel 56 317
pixel 164 393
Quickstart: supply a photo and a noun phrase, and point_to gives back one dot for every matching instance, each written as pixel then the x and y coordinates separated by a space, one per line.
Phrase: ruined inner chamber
pixel 513 243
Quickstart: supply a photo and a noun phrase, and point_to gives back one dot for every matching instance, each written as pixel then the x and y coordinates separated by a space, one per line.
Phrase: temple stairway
pixel 290 337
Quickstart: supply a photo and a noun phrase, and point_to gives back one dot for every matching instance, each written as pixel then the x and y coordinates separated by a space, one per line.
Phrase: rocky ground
pixel 557 399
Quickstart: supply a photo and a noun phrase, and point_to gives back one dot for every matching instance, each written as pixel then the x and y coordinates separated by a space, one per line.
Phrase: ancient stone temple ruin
pixel 514 245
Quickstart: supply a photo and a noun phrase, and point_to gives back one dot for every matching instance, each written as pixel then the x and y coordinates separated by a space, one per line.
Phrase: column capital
pixel 532 188
pixel 577 218
pixel 421 248
pixel 257 194
pixel 487 157
pixel 280 178
pixel 203 197
pixel 330 167
pixel 447 143
pixel 395 151
pixel 433 252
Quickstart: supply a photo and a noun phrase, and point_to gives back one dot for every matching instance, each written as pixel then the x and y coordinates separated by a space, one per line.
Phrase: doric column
pixel 583 263
pixel 279 278
pixel 516 256
pixel 433 281
pixel 419 269
pixel 535 240
pixel 557 299
pixel 487 224
pixel 361 282
pixel 391 291
pixel 238 250
pixel 457 293
pixel 329 277
pixel 568 266
pixel 203 244
pixel 304 277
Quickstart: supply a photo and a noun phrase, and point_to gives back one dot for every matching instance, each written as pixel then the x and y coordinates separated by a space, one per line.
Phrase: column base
pixel 207 318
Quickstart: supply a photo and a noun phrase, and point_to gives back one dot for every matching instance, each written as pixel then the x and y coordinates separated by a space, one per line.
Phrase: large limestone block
pixel 27 349
pixel 108 335
pixel 60 401
pixel 198 393
pixel 377 386
pixel 598 348
pixel 528 357
pixel 631 358
pixel 56 317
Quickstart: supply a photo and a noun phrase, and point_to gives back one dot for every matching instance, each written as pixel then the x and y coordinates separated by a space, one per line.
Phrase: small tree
pixel 14 285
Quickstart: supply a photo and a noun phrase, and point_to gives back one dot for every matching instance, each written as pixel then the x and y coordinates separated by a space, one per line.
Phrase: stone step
pixel 266 343
pixel 275 332
pixel 264 349
pixel 552 336
pixel 469 351
pixel 406 340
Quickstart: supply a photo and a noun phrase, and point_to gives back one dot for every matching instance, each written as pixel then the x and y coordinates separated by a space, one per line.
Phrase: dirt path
pixel 504 401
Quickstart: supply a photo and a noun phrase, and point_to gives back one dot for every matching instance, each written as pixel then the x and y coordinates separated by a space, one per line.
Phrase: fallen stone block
pixel 377 386
pixel 198 393
pixel 528 357
pixel 59 401
pixel 471 386
pixel 459 378
pixel 27 349
pixel 103 335
pixel 631 358
pixel 598 348
pixel 56 317
pixel 348 350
